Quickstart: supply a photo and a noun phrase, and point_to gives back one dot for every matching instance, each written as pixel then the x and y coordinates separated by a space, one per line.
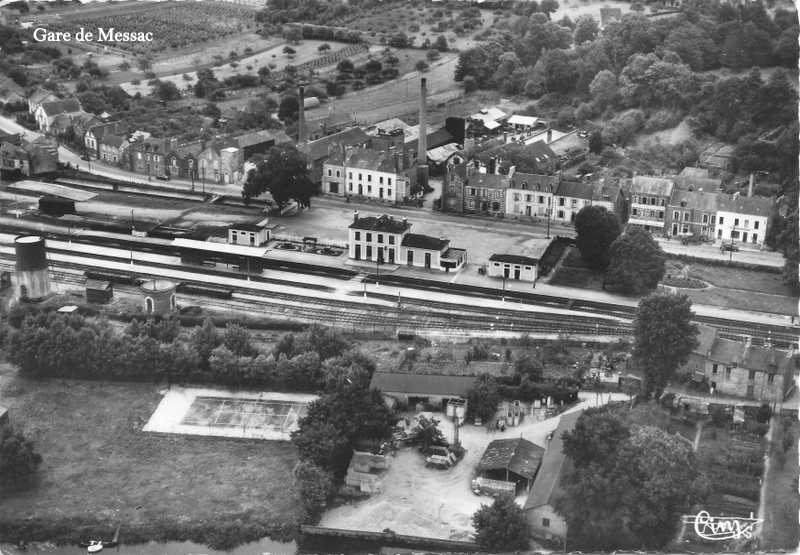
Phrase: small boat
pixel 95 546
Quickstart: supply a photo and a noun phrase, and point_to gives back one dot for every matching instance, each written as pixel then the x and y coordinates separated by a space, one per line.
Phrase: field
pixel 173 26
pixel 99 469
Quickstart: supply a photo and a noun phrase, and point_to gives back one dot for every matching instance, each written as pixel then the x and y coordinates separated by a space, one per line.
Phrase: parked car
pixel 163 177
pixel 86 157
pixel 729 247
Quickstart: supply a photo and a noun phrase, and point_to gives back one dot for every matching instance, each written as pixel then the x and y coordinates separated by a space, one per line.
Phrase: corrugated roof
pixel 518 455
pixel 331 120
pixel 546 486
pixel 522 120
pixel 426 242
pixel 748 206
pixel 644 185
pixel 383 223
pixel 442 153
pixel 423 384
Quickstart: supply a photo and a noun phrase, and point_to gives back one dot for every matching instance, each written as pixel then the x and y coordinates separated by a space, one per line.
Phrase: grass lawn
pixel 577 277
pixel 732 298
pixel 782 504
pixel 735 278
pixel 100 470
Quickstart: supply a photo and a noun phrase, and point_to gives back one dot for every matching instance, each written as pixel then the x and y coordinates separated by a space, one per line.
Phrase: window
pixel 683 204
pixel 574 202
pixel 389 193
pixel 705 218
pixel 388 180
pixel 770 378
pixel 561 201
pixel 369 237
pixel 662 202
pixel 560 214
pixel 350 187
pixel 676 215
pixel 391 239
pixel 747 223
pixel 755 225
pixel 516 197
pixel 369 188
pixel 686 216
pixel 369 252
pixel 541 199
pixel 728 371
pixel 369 178
pixel 714 368
pixel 472 191
pixel 380 180
pixel 546 522
pixel 360 177
pixel 380 237
pixel 351 175
pixel 752 375
pixel 635 212
pixel 736 222
pixel 338 173
pixel 714 219
pixel 661 215
pixel 330 173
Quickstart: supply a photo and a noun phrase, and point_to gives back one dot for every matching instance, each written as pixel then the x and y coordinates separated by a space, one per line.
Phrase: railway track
pixel 436 314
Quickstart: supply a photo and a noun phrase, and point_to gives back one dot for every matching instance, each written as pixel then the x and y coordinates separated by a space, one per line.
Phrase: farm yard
pixel 173 26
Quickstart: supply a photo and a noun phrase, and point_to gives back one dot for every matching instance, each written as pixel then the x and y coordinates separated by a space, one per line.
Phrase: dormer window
pixel 683 203
pixel 525 184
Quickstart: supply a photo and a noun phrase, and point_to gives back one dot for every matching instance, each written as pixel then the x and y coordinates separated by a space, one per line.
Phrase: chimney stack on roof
pixel 355 216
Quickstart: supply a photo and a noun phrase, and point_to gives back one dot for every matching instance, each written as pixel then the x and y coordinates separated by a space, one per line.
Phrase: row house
pixel 648 199
pixel 184 160
pixel 48 111
pixel 381 175
pixel 386 240
pixel 608 193
pixel 92 135
pixel 530 195
pixel 222 162
pixel 81 123
pixel 741 369
pixel 692 179
pixel 10 91
pixel 260 142
pixel 147 156
pixel 692 213
pixel 744 219
pixel 569 199
pixel 471 188
pixel 111 148
pixel 39 97
pixel 320 150
pixel 28 159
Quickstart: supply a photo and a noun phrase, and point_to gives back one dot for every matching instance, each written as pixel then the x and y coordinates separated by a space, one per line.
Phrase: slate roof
pixel 726 351
pixel 600 190
pixel 699 200
pixel 706 184
pixel 319 149
pixel 657 186
pixel 489 180
pixel 694 173
pixel 760 358
pixel 68 106
pixel 11 85
pixel 423 384
pixel 97 285
pixel 40 95
pixel 514 259
pixel 9 150
pixel 706 338
pixel 384 223
pixel 112 140
pixel 417 241
pixel 519 178
pixel 460 170
pixel 546 488
pixel 518 455
pixel 573 189
pixel 113 128
pixel 189 151
pixel 541 152
pixel 150 144
pixel 748 206
pixel 368 159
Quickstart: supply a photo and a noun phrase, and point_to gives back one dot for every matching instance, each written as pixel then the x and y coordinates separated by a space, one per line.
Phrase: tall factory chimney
pixel 301 125
pixel 33 278
pixel 422 143
pixel 750 189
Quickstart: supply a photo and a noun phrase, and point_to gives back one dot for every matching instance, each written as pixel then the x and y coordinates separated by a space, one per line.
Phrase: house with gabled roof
pixel 222 162
pixel 27 158
pixel 48 111
pixel 322 149
pixel 742 219
pixel 608 193
pixel 648 198
pixel 147 156
pixel 183 160
pixel 111 148
pixel 547 487
pixel 692 213
pixel 328 125
pixel 511 460
pixel 11 92
pixel 94 133
pixel 433 389
pixel 570 198
pixel 530 195
pixel 382 175
pixel 39 97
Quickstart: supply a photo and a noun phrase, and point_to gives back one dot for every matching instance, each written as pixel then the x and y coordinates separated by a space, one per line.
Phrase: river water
pixel 307 545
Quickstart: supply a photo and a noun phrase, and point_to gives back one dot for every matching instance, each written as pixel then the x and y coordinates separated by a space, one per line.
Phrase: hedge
pixel 726 263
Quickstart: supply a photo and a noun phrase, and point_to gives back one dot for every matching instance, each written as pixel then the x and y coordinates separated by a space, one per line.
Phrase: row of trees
pixel 632 261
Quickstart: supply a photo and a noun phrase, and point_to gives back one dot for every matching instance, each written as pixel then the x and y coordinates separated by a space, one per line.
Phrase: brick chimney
pixel 355 216
pixel 302 133
pixel 750 189
pixel 422 142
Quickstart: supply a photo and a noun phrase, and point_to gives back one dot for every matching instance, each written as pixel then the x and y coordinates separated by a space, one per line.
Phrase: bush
pixel 18 459
pixel 764 414
pixel 718 416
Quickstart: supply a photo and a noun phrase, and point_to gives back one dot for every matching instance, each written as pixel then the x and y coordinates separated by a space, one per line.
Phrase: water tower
pixel 158 297
pixel 32 268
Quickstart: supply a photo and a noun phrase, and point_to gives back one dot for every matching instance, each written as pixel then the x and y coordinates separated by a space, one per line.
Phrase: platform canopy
pixel 220 248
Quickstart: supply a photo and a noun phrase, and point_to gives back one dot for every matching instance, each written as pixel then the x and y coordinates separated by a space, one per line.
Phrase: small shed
pixel 98 291
pixel 511 460
pixel 310 102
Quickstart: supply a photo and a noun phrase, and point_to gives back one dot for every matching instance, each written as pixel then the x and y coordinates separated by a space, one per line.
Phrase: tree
pixel 346 66
pixel 597 229
pixel 136 82
pixel 664 337
pixel 284 175
pixel 603 88
pixel 586 29
pixel 421 66
pixel 124 66
pixel 429 432
pixel 289 51
pixel 441 44
pixel 324 47
pixel 143 64
pixel 288 107
pixel 596 142
pixel 373 66
pixel 293 34
pixel 167 90
pixel 17 457
pixel 483 398
pixel 547 7
pixel 502 526
pixel 636 262
pixel 314 483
